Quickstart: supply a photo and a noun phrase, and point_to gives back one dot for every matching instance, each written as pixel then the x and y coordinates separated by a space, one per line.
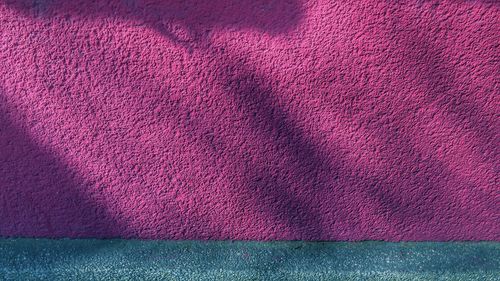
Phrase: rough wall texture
pixel 250 119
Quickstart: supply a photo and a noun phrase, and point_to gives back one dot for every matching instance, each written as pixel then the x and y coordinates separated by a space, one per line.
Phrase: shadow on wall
pixel 39 191
pixel 315 172
pixel 36 173
pixel 181 21
pixel 290 185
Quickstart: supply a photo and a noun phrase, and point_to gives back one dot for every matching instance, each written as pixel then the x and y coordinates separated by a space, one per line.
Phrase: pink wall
pixel 250 119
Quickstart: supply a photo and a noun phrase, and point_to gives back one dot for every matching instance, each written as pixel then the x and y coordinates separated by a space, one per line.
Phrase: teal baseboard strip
pixel 89 259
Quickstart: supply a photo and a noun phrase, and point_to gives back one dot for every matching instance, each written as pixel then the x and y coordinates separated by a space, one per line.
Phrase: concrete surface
pixel 39 259
pixel 250 119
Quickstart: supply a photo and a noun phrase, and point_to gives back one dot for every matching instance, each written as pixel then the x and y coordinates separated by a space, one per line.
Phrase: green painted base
pixel 86 259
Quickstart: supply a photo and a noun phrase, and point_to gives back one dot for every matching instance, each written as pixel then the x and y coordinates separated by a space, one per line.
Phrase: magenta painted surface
pixel 315 120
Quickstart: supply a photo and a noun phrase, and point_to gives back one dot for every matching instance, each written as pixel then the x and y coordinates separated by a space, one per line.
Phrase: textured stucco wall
pixel 250 119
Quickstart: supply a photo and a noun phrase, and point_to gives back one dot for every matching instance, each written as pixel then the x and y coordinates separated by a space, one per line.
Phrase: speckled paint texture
pixel 110 259
pixel 250 119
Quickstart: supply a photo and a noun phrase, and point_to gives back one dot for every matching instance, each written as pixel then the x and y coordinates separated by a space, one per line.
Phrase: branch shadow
pixel 431 181
pixel 186 23
pixel 288 189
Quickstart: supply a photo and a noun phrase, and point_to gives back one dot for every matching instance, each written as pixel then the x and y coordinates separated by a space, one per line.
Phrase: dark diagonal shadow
pixel 290 186
pixel 37 172
pixel 293 177
pixel 38 190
